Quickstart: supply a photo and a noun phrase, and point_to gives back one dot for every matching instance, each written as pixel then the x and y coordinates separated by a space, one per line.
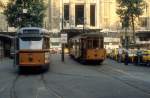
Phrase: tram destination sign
pixel 63 38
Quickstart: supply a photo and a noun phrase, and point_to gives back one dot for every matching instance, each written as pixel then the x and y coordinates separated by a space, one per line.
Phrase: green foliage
pixel 2 5
pixel 33 17
pixel 128 10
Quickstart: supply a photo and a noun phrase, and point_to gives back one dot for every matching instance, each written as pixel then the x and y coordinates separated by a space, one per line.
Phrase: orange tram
pixel 88 48
pixel 32 48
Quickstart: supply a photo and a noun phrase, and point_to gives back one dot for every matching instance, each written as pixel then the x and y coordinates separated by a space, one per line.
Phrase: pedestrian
pixel 139 56
pixel 126 57
pixel 119 54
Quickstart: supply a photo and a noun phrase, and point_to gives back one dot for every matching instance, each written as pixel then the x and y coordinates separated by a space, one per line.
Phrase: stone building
pixel 76 14
pixel 3 23
pixel 90 14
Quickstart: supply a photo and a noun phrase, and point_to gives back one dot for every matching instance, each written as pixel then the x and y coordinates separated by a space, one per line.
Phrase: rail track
pixel 117 70
pixel 50 89
pixel 13 93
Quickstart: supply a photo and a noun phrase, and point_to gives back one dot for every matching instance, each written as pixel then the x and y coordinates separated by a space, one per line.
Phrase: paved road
pixel 73 80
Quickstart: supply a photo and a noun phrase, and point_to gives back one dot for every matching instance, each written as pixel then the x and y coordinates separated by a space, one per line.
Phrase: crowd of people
pixel 129 55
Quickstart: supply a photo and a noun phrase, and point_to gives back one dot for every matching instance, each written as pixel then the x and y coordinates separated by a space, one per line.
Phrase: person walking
pixel 126 57
pixel 139 56
pixel 119 54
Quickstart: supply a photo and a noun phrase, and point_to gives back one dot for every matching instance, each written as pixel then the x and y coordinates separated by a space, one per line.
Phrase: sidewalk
pixel 6 61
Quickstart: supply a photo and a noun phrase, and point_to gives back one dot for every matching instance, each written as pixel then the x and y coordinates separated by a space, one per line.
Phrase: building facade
pixel 76 14
pixel 3 22
pixel 90 14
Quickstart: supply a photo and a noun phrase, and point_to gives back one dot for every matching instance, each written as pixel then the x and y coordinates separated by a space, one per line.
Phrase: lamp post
pixel 62 27
pixel 24 12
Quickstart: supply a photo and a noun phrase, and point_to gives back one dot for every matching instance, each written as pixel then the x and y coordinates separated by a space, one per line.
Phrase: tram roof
pixel 75 32
pixel 32 28
pixel 42 32
pixel 92 34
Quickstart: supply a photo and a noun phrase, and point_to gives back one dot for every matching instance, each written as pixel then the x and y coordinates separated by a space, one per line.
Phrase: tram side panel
pixel 96 54
pixel 32 48
pixel 82 52
pixel 33 59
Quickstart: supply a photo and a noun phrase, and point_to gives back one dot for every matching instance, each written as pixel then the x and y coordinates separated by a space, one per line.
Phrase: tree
pixel 34 16
pixel 129 11
pixel 2 5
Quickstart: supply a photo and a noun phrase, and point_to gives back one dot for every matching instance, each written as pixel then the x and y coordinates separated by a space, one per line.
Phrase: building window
pixel 92 15
pixel 143 21
pixel 66 12
pixel 79 15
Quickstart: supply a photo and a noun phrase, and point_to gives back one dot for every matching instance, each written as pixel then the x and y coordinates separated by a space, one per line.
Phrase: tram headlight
pixel 46 57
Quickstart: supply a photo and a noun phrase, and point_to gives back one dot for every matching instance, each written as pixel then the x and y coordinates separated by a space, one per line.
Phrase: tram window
pixel 89 44
pixel 46 43
pixel 71 45
pixel 95 43
pixel 31 38
pixel 101 43
pixel 30 31
pixel 30 43
pixel 17 43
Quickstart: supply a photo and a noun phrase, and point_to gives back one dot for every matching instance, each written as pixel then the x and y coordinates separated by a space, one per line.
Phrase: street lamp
pixel 24 11
pixel 62 27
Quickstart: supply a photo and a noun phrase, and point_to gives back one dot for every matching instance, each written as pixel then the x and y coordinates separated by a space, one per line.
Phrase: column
pixel 61 4
pixel 87 13
pixel 49 14
pixel 72 13
pixel 148 12
pixel 97 19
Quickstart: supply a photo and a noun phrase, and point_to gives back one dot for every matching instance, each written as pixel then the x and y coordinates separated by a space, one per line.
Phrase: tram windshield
pixel 94 43
pixel 30 43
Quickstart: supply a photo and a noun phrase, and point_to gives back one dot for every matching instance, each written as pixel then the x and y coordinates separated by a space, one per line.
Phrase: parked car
pixel 146 57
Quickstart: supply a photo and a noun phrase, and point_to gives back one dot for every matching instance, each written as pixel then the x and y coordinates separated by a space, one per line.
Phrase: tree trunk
pixel 133 30
pixel 126 40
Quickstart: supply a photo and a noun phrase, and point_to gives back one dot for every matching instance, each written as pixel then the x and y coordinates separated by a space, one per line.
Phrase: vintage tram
pixel 88 47
pixel 32 48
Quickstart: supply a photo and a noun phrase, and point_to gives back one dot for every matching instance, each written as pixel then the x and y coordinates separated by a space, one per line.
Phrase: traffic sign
pixel 64 38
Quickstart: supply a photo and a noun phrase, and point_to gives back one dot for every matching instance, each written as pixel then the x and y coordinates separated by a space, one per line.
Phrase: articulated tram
pixel 87 47
pixel 32 48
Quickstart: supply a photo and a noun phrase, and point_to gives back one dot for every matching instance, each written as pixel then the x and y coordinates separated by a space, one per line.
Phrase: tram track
pixel 50 89
pixel 13 93
pixel 103 71
pixel 115 72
